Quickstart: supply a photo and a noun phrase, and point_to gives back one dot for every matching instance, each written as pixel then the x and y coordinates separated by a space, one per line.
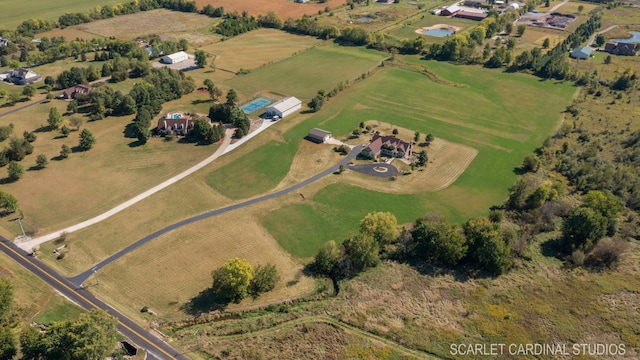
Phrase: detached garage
pixel 318 135
pixel 175 58
pixel 284 107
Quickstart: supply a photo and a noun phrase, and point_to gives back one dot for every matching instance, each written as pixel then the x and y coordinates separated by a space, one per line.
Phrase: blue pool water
pixel 255 105
pixel 438 32
pixel 365 18
pixel 635 38
pixel 176 116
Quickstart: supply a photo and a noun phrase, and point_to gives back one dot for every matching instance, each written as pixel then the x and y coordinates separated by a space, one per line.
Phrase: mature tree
pixel 55 118
pixel 72 107
pixel 546 43
pixel 416 137
pixel 76 122
pixel 65 131
pixel 487 247
pixel 29 91
pixel 201 58
pixel 429 138
pixel 8 346
pixel 583 228
pixel 382 226
pixel 580 8
pixel 50 81
pixel 327 259
pixel 87 140
pixel 232 97
pixel 93 336
pixel 521 29
pixel 531 163
pixel 144 135
pixel 600 40
pixel 316 103
pixel 15 171
pixel 183 44
pixel 231 281
pixel 42 161
pixel 8 203
pixel 65 151
pixel 438 241
pixel 30 136
pixel 423 158
pixel 362 252
pixel 265 279
pixel 605 203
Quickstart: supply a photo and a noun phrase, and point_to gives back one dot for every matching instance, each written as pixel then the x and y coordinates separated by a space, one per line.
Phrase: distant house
pixel 22 76
pixel 176 123
pixel 301 1
pixel 389 146
pixel 4 42
pixel 620 48
pixel 72 92
pixel 319 135
pixel 174 58
pixel 512 6
pixel 284 107
pixel 471 15
pixel 450 10
pixel 385 1
pixel 581 52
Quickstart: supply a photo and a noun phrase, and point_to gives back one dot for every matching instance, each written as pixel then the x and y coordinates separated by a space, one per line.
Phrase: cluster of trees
pixel 204 132
pixel 237 279
pixel 234 24
pixel 229 113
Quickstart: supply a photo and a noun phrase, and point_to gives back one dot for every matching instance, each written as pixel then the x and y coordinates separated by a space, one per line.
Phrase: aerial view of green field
pixel 393 194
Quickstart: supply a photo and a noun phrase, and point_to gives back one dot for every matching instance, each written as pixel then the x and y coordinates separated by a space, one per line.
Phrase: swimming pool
pixel 255 105
pixel 442 32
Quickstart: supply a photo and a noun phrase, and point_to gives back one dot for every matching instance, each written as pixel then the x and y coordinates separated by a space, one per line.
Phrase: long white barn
pixel 284 107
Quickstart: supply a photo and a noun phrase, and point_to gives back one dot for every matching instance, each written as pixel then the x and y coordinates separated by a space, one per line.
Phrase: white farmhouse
pixel 284 107
pixel 175 58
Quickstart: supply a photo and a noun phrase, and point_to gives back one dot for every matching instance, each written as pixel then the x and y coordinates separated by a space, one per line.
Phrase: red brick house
pixel 72 92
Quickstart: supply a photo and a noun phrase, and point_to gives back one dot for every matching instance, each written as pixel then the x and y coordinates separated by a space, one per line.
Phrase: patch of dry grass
pixel 161 22
pixel 572 8
pixel 174 268
pixel 69 33
pixel 258 47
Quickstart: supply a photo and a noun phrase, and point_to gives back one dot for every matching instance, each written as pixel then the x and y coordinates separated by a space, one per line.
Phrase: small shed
pixel 284 107
pixel 174 58
pixel 581 52
pixel 319 135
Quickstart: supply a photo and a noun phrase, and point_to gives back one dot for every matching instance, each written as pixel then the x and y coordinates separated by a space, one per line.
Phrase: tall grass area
pixel 15 12
pixel 504 116
pixel 322 67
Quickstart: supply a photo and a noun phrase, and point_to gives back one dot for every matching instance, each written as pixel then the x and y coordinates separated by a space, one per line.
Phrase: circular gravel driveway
pixel 379 169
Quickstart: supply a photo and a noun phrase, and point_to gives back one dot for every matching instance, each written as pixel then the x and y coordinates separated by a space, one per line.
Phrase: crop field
pixel 322 67
pixel 256 48
pixel 283 8
pixel 168 24
pixel 407 29
pixel 534 37
pixel 176 267
pixel 15 12
pixel 69 33
pixel 77 187
pixel 496 120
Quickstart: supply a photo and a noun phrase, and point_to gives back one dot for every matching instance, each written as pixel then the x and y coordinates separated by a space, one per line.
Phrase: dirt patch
pixel 453 28
pixel 283 8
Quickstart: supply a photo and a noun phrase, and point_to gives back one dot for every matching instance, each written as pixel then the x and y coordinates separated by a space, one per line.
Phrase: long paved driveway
pixel 81 278
pixel 155 347
pixel 30 244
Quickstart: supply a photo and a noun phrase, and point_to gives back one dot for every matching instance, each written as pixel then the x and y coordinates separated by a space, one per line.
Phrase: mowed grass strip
pixel 525 109
pixel 258 47
pixel 322 67
pixel 159 22
pixel 15 12
pixel 176 267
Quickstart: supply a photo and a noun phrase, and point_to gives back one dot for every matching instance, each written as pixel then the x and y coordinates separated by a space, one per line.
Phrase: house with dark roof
pixel 389 146
pixel 22 76
pixel 471 15
pixel 620 48
pixel 73 92
pixel 176 123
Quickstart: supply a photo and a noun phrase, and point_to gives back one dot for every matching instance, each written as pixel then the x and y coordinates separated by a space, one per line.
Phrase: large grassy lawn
pixel 407 29
pixel 322 67
pixel 258 47
pixel 15 12
pixel 504 116
pixel 87 183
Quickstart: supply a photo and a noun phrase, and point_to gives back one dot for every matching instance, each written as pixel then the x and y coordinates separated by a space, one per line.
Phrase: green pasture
pixel 15 12
pixel 322 67
pixel 504 116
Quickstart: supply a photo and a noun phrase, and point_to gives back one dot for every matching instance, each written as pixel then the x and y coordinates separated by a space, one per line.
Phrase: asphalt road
pixel 155 347
pixel 23 107
pixel 81 278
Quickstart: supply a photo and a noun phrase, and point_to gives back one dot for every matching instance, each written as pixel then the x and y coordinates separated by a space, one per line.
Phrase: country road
pixel 82 277
pixel 155 347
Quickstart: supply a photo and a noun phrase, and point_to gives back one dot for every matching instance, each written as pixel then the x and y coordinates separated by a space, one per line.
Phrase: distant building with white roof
pixel 284 107
pixel 175 58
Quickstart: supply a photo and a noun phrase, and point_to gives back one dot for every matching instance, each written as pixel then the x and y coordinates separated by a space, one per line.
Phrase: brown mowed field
pixel 284 8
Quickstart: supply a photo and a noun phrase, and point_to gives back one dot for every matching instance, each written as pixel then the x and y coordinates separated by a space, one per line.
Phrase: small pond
pixel 365 18
pixel 442 32
pixel 635 38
